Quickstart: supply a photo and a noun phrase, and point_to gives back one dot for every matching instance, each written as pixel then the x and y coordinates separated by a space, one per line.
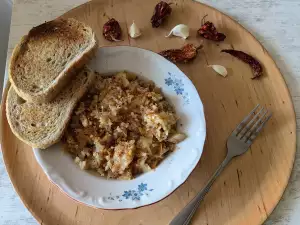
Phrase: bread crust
pixel 41 32
pixel 28 134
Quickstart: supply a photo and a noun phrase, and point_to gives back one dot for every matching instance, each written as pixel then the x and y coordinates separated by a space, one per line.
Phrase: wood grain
pixel 248 189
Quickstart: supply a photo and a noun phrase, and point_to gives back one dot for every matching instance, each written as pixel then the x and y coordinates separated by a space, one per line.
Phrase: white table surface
pixel 275 23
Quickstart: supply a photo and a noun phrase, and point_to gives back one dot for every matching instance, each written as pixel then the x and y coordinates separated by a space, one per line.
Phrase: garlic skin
pixel 219 69
pixel 180 30
pixel 134 31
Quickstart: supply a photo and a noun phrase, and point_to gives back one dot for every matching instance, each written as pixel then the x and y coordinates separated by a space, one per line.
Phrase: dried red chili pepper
pixel 183 55
pixel 255 65
pixel 161 11
pixel 209 31
pixel 112 30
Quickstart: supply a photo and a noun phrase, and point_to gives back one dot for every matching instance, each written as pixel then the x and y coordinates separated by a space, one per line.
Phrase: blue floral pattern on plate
pixel 132 194
pixel 178 86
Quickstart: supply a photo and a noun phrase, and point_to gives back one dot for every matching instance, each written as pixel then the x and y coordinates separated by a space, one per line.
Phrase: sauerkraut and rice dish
pixel 122 127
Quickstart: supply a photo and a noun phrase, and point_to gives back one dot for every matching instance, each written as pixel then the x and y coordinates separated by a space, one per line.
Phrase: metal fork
pixel 237 143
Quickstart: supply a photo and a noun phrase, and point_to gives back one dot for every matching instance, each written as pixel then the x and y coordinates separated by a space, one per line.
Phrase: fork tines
pixel 249 128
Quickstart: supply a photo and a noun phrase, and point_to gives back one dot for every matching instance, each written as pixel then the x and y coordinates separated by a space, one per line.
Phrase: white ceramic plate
pixel 153 186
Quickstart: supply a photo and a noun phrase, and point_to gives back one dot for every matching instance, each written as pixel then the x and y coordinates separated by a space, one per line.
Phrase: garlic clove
pixel 134 31
pixel 219 69
pixel 181 30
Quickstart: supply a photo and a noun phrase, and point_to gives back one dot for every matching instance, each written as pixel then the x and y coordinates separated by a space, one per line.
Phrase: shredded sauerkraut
pixel 122 127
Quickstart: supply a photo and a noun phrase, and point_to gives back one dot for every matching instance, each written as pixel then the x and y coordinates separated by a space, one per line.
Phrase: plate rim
pixel 39 160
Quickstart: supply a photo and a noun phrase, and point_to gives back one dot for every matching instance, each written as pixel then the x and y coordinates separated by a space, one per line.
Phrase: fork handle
pixel 186 214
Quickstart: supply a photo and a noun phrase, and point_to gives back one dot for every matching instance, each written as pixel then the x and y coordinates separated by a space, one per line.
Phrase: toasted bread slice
pixel 41 125
pixel 46 59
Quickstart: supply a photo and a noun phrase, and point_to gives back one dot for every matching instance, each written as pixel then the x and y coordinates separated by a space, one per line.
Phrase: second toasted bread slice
pixel 46 59
pixel 41 125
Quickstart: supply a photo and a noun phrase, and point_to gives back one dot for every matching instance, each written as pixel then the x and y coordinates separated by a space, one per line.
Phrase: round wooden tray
pixel 248 189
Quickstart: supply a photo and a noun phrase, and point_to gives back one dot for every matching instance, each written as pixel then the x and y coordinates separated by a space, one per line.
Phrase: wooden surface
pixel 5 15
pixel 216 200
